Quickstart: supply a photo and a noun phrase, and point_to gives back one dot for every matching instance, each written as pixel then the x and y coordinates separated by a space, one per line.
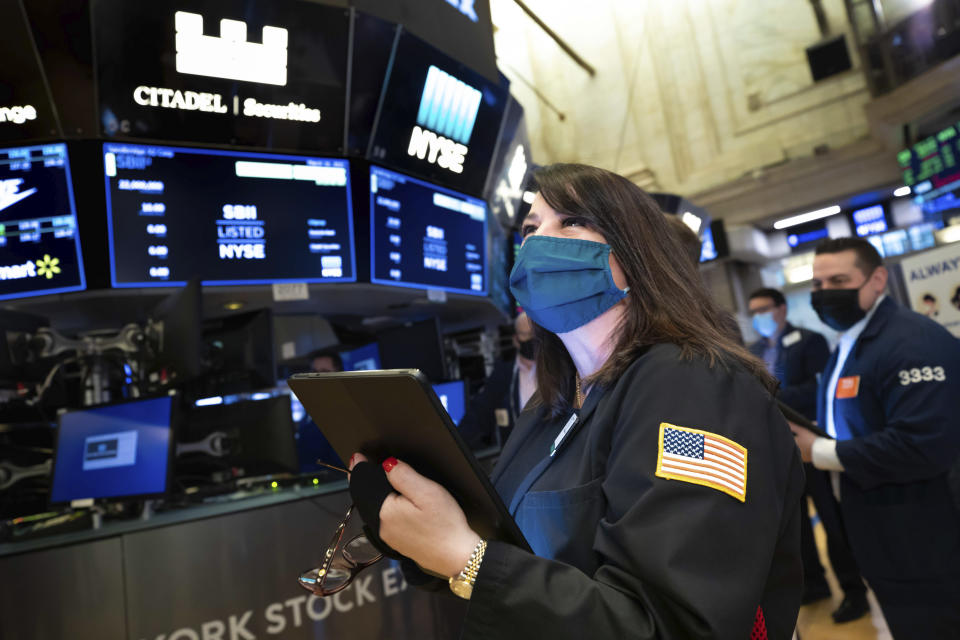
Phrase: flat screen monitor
pixel 362 358
pixel 269 74
pixel 425 236
pixel 869 220
pixel 922 236
pixel 931 167
pixel 437 118
pixel 258 435
pixel 239 352
pixel 414 345
pixel 227 217
pixel 453 397
pixel 39 243
pixel 113 451
pixel 713 242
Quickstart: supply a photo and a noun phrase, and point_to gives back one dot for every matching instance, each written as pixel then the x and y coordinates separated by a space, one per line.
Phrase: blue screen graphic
pixel 425 236
pixel 39 244
pixel 453 396
pixel 362 358
pixel 113 451
pixel 870 220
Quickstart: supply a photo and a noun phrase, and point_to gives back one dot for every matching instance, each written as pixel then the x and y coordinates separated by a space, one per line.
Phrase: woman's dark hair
pixel 667 303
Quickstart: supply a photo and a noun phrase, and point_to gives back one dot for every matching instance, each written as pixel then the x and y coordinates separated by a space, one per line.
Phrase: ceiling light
pixel 806 217
pixel 692 220
pixel 233 306
pixel 902 191
pixel 528 196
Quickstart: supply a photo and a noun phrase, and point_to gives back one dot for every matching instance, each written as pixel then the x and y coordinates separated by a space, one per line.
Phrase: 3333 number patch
pixel 921 374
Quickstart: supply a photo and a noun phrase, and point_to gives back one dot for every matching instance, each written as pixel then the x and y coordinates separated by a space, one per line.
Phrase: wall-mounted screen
pixel 113 451
pixel 425 236
pixel 437 118
pixel 713 242
pixel 362 358
pixel 266 74
pixel 932 166
pixel 801 236
pixel 226 217
pixel 39 243
pixel 869 220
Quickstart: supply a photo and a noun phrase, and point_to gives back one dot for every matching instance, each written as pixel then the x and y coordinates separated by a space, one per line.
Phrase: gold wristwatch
pixel 462 584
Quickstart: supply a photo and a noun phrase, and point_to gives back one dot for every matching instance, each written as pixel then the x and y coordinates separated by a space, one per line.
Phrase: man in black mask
pixel 492 412
pixel 889 398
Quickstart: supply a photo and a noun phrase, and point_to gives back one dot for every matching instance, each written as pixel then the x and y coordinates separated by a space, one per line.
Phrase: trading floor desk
pixel 223 571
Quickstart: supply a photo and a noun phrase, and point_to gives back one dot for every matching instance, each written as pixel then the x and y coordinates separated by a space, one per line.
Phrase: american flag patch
pixel 701 457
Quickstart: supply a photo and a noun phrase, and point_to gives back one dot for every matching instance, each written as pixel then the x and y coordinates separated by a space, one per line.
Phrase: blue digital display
pixel 870 220
pixel 362 358
pixel 113 451
pixel 227 217
pixel 453 396
pixel 39 243
pixel 796 239
pixel 425 236
pixel 708 250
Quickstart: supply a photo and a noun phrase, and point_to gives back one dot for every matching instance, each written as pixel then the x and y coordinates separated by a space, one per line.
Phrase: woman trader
pixel 628 473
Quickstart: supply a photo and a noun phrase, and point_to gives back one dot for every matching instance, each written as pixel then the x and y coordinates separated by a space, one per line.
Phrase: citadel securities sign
pixel 933 285
pixel 193 71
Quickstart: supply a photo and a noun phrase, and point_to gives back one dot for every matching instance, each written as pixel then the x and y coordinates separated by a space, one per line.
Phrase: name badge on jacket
pixel 848 387
pixel 791 339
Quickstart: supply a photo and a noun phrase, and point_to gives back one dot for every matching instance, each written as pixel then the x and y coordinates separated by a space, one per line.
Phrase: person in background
pixel 493 412
pixel 890 396
pixel 628 473
pixel 796 357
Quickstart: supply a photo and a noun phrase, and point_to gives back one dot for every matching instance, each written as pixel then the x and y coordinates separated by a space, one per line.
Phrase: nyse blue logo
pixel 448 106
pixel 465 7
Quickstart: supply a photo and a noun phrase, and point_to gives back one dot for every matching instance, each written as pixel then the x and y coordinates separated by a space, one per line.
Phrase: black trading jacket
pixel 623 553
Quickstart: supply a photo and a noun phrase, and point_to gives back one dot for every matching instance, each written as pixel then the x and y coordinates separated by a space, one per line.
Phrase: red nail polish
pixel 389 464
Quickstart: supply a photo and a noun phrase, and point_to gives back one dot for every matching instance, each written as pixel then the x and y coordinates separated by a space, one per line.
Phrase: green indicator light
pixel 316 481
pixel 274 484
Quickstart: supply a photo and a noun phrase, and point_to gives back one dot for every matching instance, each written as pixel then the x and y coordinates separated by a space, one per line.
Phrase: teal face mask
pixel 765 324
pixel 564 283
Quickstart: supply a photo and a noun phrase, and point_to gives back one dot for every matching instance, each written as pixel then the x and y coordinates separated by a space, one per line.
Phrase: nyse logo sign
pixel 230 56
pixel 445 119
pixel 18 115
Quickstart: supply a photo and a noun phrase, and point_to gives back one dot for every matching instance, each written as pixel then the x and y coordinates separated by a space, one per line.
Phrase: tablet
pixel 396 413
pixel 795 416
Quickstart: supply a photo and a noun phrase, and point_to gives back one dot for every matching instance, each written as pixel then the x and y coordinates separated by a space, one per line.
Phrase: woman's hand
pixel 423 522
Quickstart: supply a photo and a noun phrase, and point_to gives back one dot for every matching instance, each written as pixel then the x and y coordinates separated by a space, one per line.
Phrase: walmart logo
pixel 48 266
pixel 448 106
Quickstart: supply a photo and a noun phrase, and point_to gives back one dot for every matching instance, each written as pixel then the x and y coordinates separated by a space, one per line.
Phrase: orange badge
pixel 848 387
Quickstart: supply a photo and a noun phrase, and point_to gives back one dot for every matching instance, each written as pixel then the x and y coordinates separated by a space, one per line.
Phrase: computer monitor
pixel 425 236
pixel 258 435
pixel 178 343
pixel 39 244
pixel 453 397
pixel 362 358
pixel 227 217
pixel 239 352
pixel 414 345
pixel 113 451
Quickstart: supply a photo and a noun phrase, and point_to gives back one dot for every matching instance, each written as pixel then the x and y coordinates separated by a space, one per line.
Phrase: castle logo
pixel 230 56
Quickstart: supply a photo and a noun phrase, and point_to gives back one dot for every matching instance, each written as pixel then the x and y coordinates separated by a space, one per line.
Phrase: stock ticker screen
pixel 932 166
pixel 39 243
pixel 426 236
pixel 227 217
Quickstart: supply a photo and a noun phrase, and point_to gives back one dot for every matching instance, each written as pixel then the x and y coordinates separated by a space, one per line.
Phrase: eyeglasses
pixel 341 563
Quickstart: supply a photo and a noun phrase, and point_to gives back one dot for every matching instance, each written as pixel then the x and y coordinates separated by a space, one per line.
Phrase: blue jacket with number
pixel 904 417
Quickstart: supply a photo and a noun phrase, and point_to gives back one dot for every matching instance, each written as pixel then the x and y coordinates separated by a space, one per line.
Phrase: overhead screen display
pixel 227 217
pixel 438 119
pixel 266 74
pixel 39 243
pixel 932 166
pixel 426 236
